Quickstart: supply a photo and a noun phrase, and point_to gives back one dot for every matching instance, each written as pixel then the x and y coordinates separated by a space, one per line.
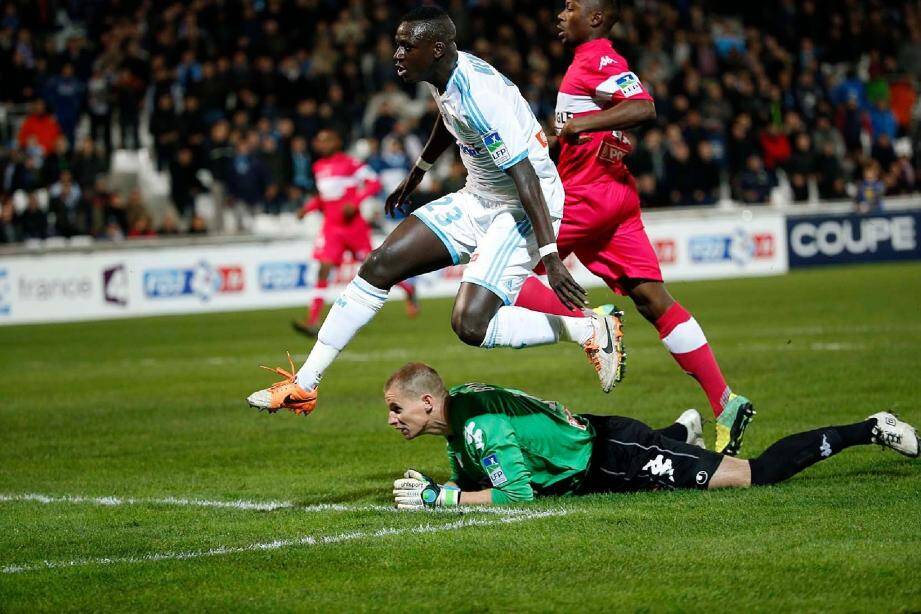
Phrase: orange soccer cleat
pixel 284 394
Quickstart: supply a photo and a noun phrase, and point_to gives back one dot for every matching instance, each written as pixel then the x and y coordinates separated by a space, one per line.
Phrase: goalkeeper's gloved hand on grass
pixel 415 491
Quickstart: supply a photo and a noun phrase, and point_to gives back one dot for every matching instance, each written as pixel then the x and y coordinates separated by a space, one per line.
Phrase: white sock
pixel 686 337
pixel 517 327
pixel 355 307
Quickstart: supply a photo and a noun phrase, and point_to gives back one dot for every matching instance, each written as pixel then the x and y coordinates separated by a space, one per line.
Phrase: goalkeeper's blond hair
pixel 417 378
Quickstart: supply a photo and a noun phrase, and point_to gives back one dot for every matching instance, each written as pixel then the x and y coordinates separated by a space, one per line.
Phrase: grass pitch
pixel 130 466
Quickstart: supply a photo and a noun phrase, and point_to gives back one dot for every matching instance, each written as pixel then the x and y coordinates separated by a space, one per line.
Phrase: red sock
pixel 536 296
pixel 684 338
pixel 316 307
pixel 409 289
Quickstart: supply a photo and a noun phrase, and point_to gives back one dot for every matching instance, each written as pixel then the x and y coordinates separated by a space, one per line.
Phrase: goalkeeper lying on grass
pixel 507 446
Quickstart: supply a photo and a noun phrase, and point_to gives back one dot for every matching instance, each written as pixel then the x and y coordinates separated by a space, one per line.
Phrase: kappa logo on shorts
pixel 661 466
pixel 825 448
pixel 702 477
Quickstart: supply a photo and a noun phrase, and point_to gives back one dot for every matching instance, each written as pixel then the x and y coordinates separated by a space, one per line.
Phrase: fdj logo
pixel 738 247
pixel 5 292
pixel 203 281
pixel 274 276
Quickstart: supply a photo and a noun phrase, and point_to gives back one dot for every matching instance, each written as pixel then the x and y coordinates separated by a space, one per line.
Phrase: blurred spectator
pixel 58 161
pixel 9 230
pixel 88 162
pixel 801 168
pixel 169 227
pixel 755 183
pixel 248 178
pixel 129 93
pixel 41 125
pixel 184 182
pixel 679 179
pixel 851 124
pixel 99 106
pixel 33 222
pixel 66 202
pixel 65 93
pixel 902 178
pixel 775 146
pixel 142 228
pixel 705 176
pixel 870 189
pixel 882 150
pixel 390 162
pixel 831 176
pixel 164 131
pixel 198 226
pixel 301 175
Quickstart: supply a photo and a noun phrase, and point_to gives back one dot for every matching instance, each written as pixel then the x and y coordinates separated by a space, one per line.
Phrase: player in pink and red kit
pixel 343 183
pixel 598 98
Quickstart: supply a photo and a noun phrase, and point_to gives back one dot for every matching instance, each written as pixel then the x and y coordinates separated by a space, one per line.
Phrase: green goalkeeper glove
pixel 415 491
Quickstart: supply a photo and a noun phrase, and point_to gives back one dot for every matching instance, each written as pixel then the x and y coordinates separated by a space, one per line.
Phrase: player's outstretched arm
pixel 532 199
pixel 438 142
pixel 416 491
pixel 621 116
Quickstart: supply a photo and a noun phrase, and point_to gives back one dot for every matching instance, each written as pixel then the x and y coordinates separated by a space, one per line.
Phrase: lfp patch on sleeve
pixel 628 84
pixel 494 470
pixel 497 149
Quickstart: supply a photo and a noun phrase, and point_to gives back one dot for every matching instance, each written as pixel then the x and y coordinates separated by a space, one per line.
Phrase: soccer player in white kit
pixel 501 224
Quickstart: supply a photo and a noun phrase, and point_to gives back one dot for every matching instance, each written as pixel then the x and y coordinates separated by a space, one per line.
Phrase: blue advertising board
pixel 848 238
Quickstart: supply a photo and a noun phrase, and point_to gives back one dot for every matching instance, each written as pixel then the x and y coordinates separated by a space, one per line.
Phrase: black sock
pixel 792 454
pixel 675 431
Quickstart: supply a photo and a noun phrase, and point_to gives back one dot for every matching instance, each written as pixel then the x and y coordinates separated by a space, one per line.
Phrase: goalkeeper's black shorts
pixel 628 455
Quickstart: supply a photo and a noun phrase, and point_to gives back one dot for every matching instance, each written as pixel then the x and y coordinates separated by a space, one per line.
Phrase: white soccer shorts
pixel 494 239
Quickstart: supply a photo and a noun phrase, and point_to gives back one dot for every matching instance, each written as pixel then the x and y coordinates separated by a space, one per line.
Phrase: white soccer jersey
pixel 495 129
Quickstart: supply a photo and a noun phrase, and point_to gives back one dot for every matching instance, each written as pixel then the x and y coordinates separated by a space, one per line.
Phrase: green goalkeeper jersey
pixel 516 444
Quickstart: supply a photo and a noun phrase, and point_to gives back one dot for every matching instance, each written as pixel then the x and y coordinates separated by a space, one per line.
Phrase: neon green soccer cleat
pixel 731 424
pixel 604 310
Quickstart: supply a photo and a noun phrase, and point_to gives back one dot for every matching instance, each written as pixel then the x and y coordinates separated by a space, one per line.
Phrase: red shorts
pixel 333 243
pixel 603 228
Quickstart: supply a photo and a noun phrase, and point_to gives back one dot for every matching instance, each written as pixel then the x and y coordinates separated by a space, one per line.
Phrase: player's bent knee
pixel 377 269
pixel 469 329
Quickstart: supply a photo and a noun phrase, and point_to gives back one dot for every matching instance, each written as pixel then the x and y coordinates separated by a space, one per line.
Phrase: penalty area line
pixel 307 540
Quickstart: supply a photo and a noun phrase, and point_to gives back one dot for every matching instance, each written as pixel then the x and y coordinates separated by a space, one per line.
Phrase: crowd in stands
pixel 818 94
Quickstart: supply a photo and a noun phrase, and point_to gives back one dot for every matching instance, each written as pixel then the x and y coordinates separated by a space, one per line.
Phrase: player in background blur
pixel 343 182
pixel 598 98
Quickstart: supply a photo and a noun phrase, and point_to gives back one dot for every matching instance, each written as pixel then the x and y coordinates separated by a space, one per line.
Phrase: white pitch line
pixel 259 506
pixel 307 540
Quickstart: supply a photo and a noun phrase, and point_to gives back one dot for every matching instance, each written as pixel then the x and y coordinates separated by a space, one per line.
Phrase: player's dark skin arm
pixel 622 116
pixel 532 200
pixel 438 142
